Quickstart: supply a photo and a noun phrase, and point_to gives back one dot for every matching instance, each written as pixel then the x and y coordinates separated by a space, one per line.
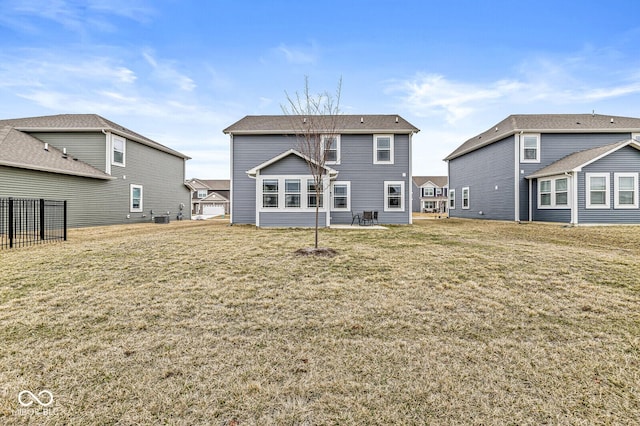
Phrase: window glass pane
pixel 270 186
pixel 626 183
pixel 270 200
pixel 561 199
pixel 625 197
pixel 561 184
pixel 292 200
pixel 292 185
pixel 394 202
pixel 340 202
pixel 340 190
pixel 384 143
pixel 384 155
pixel 545 186
pixel 597 197
pixel 545 199
pixel 394 189
pixel 598 183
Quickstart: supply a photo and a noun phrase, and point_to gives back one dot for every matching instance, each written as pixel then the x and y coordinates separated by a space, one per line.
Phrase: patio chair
pixel 367 218
pixel 375 217
pixel 355 216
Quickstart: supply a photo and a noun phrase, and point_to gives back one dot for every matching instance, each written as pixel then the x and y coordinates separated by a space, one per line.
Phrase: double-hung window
pixel 394 196
pixel 625 186
pixel 452 199
pixel 427 192
pixel 341 196
pixel 202 193
pixel 135 198
pixel 312 196
pixel 530 148
pixel 597 188
pixel 270 193
pixel 118 147
pixel 292 193
pixel 383 147
pixel 553 192
pixel 331 148
pixel 465 197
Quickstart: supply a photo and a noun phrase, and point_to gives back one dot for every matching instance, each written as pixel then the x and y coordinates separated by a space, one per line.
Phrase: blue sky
pixel 180 71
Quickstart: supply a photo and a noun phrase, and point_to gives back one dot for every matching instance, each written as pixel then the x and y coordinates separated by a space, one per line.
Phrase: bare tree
pixel 314 119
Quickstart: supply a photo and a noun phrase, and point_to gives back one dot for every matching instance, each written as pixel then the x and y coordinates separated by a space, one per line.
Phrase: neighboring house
pixel 210 195
pixel 370 169
pixel 108 174
pixel 430 194
pixel 574 168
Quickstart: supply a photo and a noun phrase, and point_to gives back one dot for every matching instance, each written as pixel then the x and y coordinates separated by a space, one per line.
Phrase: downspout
pixel 516 195
pixel 573 176
pixel 231 181
pixel 107 144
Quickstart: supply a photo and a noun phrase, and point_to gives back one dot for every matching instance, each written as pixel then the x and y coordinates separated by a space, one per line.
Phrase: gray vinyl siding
pixel 93 202
pixel 482 171
pixel 553 147
pixel 292 219
pixel 415 201
pixel 89 147
pixel 356 166
pixel 290 165
pixel 626 160
pixel 562 215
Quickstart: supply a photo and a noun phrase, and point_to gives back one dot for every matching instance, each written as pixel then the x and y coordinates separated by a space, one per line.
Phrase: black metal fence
pixel 24 222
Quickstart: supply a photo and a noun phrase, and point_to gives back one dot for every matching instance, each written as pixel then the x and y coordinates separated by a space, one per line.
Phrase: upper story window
pixel 383 149
pixel 202 193
pixel 428 192
pixel 530 148
pixel 331 147
pixel 118 149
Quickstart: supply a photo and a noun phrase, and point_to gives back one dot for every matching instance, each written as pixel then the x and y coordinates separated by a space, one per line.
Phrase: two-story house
pixel 209 196
pixel 107 173
pixel 369 169
pixel 430 194
pixel 568 168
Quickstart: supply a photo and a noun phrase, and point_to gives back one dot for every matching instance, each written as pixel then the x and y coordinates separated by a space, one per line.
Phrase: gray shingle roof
pixel 580 159
pixel 18 149
pixel 548 123
pixel 274 124
pixel 439 181
pixel 82 122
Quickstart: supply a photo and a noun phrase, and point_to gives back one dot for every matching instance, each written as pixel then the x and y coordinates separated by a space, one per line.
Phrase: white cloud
pixel 165 71
pixel 297 55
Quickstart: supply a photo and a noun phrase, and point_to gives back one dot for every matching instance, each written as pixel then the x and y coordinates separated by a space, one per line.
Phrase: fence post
pixel 10 222
pixel 65 220
pixel 42 218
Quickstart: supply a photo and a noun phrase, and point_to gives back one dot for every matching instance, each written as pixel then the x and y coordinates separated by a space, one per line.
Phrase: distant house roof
pixel 214 196
pixel 286 124
pixel 439 181
pixel 578 160
pixel 20 150
pixel 82 123
pixel 548 123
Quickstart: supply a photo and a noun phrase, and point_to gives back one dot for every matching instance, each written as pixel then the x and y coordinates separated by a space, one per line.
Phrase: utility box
pixel 161 219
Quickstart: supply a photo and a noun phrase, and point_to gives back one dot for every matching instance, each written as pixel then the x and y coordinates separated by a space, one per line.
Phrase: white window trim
pixel 124 150
pixel 522 137
pixel 424 191
pixel 387 183
pixel 391 148
pixel 199 193
pixel 553 193
pixel 452 197
pixel 348 185
pixel 466 188
pixel 141 208
pixel 616 192
pixel 338 148
pixel 282 194
pixel 607 194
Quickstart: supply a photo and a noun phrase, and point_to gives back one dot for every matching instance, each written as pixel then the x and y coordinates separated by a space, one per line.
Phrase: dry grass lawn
pixel 443 322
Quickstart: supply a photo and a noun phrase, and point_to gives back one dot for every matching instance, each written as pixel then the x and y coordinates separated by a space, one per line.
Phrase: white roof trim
pixel 254 171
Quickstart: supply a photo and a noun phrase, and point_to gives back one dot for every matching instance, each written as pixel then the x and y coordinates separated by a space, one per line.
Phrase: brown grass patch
pixel 442 322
